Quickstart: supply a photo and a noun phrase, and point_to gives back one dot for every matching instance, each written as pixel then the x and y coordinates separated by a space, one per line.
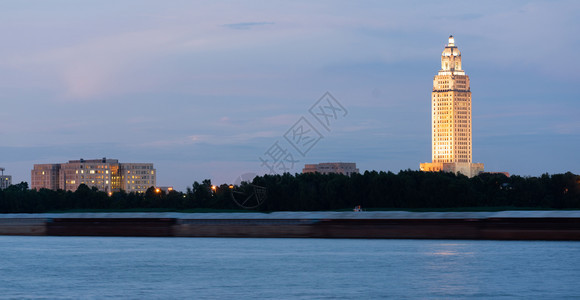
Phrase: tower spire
pixel 451 59
pixel 451 41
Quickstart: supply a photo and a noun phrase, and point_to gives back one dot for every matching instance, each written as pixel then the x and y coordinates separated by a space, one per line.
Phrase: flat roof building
pixel 331 168
pixel 105 174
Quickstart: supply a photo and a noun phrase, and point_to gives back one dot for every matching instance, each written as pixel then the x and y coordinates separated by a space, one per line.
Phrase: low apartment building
pixel 105 174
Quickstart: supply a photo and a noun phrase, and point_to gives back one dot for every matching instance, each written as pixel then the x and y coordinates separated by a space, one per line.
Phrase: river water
pixel 222 268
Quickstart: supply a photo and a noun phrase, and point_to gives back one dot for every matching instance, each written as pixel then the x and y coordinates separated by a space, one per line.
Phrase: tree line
pixel 312 192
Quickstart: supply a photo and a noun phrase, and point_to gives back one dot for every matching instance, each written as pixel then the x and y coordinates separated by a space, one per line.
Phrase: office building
pixel 451 139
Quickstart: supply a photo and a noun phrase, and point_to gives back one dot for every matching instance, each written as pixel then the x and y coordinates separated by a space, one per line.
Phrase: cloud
pixel 466 16
pixel 213 139
pixel 99 65
pixel 570 127
pixel 247 25
pixel 241 138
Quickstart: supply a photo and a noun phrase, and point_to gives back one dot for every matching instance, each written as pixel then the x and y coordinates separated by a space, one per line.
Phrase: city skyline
pixel 203 89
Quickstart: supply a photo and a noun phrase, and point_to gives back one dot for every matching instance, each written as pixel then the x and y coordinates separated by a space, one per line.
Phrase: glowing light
pixel 157 190
pixel 451 41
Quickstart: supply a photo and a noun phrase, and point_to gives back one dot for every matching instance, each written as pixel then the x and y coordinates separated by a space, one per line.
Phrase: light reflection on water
pixel 451 249
pixel 107 267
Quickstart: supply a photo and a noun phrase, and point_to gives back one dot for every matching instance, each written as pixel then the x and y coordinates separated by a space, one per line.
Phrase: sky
pixel 212 89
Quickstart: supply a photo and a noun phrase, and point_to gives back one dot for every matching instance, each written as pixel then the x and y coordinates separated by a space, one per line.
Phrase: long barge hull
pixel 475 229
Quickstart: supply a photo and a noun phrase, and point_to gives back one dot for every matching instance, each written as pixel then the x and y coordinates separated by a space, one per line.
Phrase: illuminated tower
pixel 451 140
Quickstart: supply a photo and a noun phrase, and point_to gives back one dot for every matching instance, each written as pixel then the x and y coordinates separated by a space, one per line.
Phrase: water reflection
pixel 447 269
pixel 447 249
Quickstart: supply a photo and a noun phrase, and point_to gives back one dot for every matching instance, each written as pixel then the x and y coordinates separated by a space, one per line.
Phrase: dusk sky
pixel 203 89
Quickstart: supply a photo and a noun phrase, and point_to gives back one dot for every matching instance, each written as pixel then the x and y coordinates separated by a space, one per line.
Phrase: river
pixel 221 268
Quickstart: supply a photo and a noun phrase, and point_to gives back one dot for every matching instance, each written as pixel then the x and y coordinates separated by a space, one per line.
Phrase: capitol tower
pixel 451 137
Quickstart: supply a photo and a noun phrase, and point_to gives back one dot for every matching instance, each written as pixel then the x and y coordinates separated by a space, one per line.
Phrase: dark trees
pixel 310 192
